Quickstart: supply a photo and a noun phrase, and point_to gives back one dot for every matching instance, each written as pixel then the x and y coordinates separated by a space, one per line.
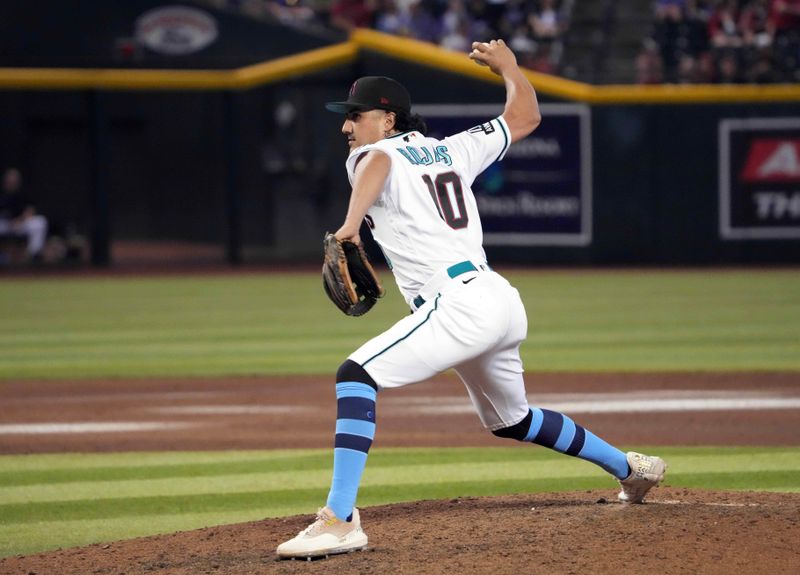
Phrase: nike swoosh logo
pixel 469 280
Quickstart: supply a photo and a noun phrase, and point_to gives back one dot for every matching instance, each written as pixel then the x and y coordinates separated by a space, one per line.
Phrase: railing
pixel 401 48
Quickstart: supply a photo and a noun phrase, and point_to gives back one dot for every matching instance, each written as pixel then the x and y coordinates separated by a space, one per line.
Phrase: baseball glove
pixel 348 278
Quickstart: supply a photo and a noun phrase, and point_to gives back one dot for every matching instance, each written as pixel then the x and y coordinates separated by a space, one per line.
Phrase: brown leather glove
pixel 348 278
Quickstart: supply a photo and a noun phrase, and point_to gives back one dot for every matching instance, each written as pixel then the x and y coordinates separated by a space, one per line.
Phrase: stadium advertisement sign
pixel 541 193
pixel 759 178
pixel 176 30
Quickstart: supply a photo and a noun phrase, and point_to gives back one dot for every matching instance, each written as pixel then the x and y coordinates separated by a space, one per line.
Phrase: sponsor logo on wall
pixel 176 30
pixel 759 175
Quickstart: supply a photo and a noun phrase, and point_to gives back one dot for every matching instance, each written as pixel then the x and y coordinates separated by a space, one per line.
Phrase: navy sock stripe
pixel 577 441
pixel 355 408
pixel 354 442
pixel 551 428
pixel 558 432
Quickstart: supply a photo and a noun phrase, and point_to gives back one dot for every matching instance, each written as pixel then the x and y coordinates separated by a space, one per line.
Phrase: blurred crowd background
pixel 534 28
pixel 727 41
pixel 674 41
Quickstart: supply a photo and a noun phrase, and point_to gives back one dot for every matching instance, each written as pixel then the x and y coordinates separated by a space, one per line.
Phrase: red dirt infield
pixel 678 531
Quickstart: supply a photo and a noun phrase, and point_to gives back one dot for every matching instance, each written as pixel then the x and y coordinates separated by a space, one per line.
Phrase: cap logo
pixel 353 88
pixel 384 100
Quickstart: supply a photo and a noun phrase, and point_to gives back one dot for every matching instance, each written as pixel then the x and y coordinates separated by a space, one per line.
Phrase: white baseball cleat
pixel 328 535
pixel 646 473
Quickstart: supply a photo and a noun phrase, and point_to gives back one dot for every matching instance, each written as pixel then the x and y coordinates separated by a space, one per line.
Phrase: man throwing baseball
pixel 415 193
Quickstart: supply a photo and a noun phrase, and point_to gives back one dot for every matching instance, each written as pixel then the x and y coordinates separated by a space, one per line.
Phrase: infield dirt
pixel 678 531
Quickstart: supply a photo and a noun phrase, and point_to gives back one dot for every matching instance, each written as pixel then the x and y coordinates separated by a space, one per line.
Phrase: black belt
pixel 453 271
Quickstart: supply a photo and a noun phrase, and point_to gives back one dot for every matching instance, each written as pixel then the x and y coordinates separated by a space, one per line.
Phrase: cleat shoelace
pixel 318 525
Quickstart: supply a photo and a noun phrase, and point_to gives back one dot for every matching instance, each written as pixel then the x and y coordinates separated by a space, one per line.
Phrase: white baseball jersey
pixel 470 318
pixel 426 217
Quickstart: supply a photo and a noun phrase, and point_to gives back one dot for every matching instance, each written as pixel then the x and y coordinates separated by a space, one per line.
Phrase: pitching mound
pixel 678 531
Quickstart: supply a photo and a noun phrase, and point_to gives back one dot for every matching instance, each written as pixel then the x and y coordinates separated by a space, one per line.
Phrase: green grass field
pixel 273 324
pixel 267 324
pixel 50 501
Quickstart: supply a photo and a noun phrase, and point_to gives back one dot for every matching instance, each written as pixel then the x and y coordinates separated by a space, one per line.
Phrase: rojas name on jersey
pixel 423 156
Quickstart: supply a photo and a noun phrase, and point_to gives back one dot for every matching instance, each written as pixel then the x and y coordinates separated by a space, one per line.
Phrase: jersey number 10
pixel 443 200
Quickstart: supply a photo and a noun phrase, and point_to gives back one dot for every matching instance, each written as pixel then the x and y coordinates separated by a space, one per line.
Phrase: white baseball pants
pixel 475 325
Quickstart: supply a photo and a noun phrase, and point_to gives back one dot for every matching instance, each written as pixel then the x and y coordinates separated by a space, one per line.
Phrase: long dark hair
pixel 405 122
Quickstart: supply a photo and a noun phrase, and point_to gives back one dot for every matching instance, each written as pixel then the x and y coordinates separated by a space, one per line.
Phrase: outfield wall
pixel 654 179
pixel 250 159
pixel 663 176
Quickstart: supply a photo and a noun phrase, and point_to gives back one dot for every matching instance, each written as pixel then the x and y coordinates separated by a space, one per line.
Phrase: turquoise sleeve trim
pixel 501 123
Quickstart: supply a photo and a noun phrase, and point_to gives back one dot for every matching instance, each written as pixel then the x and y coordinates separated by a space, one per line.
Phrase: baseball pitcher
pixel 415 194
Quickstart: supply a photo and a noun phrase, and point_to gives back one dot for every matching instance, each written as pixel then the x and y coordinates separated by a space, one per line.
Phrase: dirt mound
pixel 677 531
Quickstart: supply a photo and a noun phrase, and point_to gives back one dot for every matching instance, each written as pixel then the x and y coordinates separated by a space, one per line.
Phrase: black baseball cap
pixel 374 92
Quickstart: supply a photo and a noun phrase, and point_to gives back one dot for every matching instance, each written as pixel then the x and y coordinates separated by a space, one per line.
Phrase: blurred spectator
pixel 760 69
pixel 755 41
pixel 457 36
pixel 514 19
pixel 696 17
pixel 455 17
pixel 422 25
pixel 349 14
pixel 546 22
pixel 388 18
pixel 784 26
pixel 495 10
pixel 522 43
pixel 684 40
pixel 670 35
pixel 753 24
pixel 670 9
pixel 18 216
pixel 727 68
pixel 478 12
pixel 649 68
pixel 726 42
pixel 785 16
pixel 291 12
pixel 723 29
pixel 545 59
pixel 687 69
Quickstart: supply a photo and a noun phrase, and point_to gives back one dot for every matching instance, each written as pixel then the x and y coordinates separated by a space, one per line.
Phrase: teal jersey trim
pixel 387 348
pixel 461 268
pixel 397 135
pixel 506 136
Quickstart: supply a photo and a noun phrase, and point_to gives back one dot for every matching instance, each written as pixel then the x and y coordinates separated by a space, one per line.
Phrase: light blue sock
pixel 355 430
pixel 557 431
